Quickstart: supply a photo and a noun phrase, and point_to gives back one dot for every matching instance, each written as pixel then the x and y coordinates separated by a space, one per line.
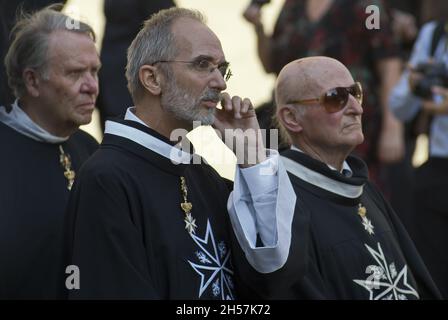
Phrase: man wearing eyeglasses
pixel 148 219
pixel 347 242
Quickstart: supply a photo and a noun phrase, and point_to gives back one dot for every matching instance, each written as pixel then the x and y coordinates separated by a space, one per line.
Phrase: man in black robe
pixel 148 219
pixel 347 242
pixel 52 70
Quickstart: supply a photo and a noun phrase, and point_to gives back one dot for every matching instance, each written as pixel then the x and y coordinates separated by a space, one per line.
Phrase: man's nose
pixel 354 106
pixel 90 84
pixel 217 81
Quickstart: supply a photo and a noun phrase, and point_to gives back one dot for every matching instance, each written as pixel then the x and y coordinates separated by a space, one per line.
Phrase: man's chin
pixel 358 139
pixel 353 141
pixel 206 119
pixel 82 120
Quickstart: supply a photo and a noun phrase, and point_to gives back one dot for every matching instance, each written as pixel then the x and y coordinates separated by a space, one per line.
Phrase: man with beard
pixel 149 220
pixel 52 69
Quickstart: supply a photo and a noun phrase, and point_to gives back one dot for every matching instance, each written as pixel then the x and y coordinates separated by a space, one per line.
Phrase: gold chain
pixel 190 222
pixel 66 163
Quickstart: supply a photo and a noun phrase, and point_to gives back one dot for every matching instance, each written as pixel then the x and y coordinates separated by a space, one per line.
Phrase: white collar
pixel 18 120
pixel 146 140
pixel 322 181
pixel 130 115
pixel 345 165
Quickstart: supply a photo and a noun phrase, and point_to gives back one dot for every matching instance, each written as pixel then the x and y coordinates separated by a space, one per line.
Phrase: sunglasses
pixel 335 99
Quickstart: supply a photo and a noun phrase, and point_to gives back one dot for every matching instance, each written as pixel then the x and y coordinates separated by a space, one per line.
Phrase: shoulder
pixel 5 131
pixel 372 191
pixel 426 32
pixel 82 137
pixel 428 27
pixel 81 146
pixel 105 162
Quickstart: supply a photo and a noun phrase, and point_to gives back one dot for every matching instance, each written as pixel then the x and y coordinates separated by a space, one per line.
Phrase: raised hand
pixel 240 131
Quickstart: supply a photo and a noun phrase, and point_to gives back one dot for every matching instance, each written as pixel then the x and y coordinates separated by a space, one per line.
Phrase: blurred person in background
pixel 123 21
pixel 420 98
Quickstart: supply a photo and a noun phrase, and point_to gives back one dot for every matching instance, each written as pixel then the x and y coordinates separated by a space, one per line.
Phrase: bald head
pixel 307 78
pixel 328 137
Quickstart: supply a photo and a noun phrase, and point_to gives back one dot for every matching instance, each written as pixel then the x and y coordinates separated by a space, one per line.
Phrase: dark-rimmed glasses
pixel 335 99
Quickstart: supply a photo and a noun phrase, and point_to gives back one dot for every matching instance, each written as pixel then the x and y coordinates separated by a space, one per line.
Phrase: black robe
pixel 33 196
pixel 127 232
pixel 332 254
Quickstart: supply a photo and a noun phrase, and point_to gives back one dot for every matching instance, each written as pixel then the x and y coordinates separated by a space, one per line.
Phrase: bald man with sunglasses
pixel 346 241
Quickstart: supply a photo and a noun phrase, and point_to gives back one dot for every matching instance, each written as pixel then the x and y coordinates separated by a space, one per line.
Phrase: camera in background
pixel 434 74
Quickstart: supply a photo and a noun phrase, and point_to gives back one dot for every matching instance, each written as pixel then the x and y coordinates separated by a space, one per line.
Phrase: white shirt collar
pixel 345 165
pixel 130 115
pixel 18 120
pixel 146 140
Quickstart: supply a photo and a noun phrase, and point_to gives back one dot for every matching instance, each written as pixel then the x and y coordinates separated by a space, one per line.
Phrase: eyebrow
pixel 210 59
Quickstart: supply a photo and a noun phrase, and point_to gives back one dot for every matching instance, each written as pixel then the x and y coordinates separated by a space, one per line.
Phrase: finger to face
pixel 247 105
pixel 236 102
pixel 226 102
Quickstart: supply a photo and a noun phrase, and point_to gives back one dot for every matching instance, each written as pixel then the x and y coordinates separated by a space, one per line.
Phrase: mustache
pixel 211 95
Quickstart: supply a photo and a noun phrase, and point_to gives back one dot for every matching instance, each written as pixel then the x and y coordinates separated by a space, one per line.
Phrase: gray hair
pixel 155 42
pixel 29 47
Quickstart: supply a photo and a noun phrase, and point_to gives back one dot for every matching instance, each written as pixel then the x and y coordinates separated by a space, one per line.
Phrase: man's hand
pixel 240 131
pixel 253 14
pixel 434 108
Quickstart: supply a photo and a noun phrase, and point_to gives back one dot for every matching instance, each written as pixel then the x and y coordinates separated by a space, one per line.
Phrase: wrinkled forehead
pixel 194 39
pixel 317 78
pixel 66 47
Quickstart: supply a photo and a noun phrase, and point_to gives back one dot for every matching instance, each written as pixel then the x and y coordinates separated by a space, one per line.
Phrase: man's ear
pixel 32 82
pixel 290 119
pixel 150 79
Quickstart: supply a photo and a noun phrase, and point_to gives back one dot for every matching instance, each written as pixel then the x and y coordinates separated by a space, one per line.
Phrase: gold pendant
pixel 368 226
pixel 186 206
pixel 70 176
pixel 66 163
pixel 190 222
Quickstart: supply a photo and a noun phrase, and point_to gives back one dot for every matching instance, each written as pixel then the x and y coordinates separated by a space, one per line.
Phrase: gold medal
pixel 362 212
pixel 66 163
pixel 190 222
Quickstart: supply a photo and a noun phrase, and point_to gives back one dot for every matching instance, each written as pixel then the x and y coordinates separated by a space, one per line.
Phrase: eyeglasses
pixel 205 66
pixel 335 99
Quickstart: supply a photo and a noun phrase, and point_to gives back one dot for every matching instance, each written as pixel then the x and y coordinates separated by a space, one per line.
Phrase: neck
pixel 333 158
pixel 43 119
pixel 152 114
